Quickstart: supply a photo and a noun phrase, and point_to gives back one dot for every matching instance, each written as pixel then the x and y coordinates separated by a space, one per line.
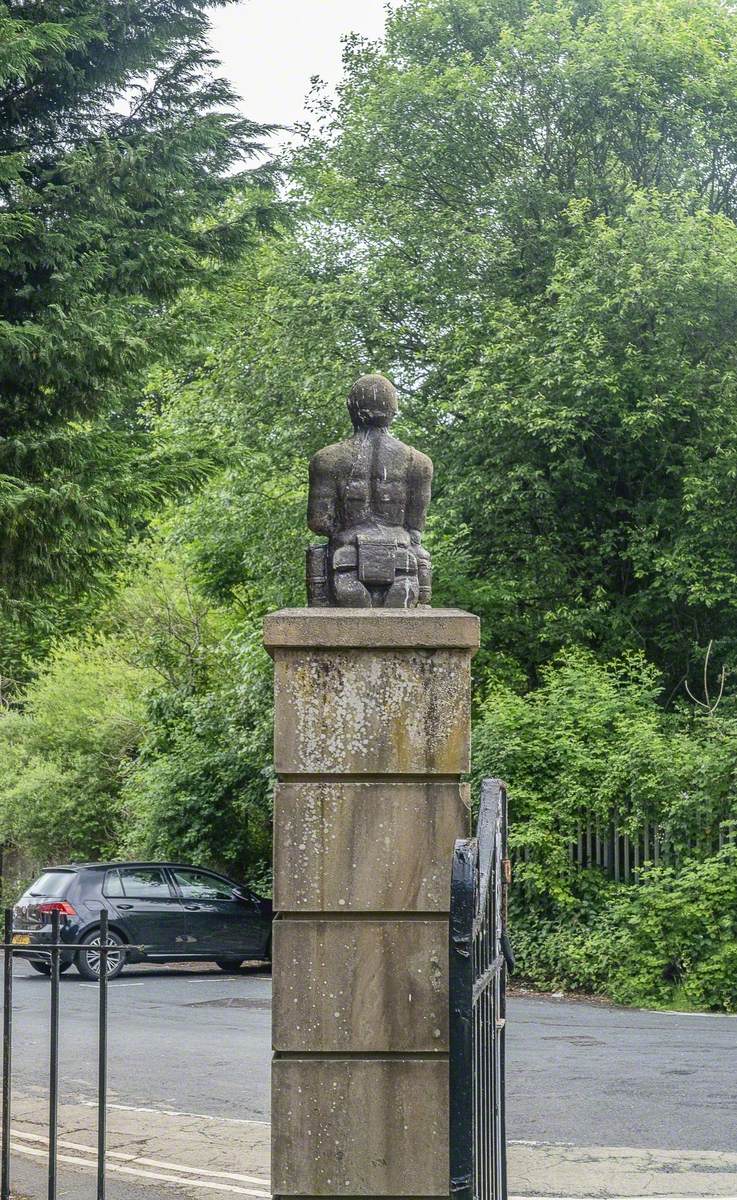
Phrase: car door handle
pixel 125 906
pixel 192 907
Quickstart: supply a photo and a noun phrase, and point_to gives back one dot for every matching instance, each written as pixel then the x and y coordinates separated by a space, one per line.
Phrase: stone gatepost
pixel 371 737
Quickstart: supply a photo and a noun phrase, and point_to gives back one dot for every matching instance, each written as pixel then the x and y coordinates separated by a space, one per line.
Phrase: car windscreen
pixel 52 883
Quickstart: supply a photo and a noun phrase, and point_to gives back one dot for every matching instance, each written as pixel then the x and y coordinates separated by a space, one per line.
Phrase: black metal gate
pixel 479 958
pixel 12 947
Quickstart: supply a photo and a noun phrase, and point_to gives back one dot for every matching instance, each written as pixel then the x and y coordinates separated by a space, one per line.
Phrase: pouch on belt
pixel 377 562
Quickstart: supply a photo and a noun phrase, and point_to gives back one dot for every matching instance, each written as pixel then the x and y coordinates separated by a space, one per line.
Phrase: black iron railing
pixel 51 951
pixel 479 958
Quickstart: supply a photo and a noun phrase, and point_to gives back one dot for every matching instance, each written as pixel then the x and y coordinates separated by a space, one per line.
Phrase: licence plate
pixel 21 939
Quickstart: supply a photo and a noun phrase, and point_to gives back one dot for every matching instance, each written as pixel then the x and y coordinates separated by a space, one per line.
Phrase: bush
pixel 594 740
pixel 669 941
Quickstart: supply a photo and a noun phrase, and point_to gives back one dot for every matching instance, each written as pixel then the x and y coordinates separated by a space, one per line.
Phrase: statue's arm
pixel 419 493
pixel 322 514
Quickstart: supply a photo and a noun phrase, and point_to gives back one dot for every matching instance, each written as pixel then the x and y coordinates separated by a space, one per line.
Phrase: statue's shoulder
pixel 422 463
pixel 419 464
pixel 324 458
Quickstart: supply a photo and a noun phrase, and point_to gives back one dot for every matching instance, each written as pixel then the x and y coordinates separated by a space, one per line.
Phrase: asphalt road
pixel 193 1040
pixel 189 1059
pixel 592 1074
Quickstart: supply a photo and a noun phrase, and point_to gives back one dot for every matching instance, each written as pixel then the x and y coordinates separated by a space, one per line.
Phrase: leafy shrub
pixel 671 939
pixel 594 740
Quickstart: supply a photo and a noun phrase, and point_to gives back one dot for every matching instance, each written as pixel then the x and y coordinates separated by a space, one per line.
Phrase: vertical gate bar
pixel 503 1001
pixel 102 1058
pixel 477 986
pixel 491 923
pixel 54 1055
pixel 7 1049
pixel 462 1064
pixel 480 1051
pixel 476 1083
pixel 488 1055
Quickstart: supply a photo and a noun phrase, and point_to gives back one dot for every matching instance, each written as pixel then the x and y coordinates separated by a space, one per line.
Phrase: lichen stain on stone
pixel 396 711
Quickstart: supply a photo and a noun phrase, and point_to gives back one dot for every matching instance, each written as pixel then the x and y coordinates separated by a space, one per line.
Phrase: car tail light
pixel 60 906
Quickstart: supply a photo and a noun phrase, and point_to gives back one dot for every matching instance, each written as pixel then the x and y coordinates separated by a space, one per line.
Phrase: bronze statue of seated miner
pixel 369 497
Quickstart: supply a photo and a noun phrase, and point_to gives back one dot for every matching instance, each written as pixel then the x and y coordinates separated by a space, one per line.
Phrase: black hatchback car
pixel 172 911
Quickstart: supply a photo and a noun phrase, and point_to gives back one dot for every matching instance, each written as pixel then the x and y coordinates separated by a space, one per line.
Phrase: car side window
pixel 112 886
pixel 145 883
pixel 198 885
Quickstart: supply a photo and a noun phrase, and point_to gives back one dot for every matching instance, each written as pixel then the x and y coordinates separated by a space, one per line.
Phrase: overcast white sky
pixel 270 49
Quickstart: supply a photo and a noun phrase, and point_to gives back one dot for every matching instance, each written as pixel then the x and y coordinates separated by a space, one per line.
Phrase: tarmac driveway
pixel 602 1102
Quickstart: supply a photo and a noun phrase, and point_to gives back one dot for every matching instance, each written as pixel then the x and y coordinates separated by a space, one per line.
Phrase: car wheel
pixel 44 968
pixel 230 965
pixel 88 960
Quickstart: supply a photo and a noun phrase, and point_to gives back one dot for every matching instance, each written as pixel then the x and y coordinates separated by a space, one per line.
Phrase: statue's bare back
pixel 369 496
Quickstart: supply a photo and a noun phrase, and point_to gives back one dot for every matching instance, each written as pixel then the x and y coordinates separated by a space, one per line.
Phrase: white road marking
pixel 111 983
pixel 675 1012
pixel 91 1164
pixel 155 979
pixel 527 1142
pixel 144 1162
pixel 170 1112
pixel 652 1196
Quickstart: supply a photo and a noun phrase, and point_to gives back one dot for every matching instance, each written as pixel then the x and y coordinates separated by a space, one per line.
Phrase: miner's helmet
pixel 372 401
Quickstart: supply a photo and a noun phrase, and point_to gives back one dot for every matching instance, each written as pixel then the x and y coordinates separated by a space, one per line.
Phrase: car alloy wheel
pixel 90 958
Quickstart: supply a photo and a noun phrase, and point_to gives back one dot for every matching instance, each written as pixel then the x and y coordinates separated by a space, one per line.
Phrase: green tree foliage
pixel 527 209
pixel 65 755
pixel 200 786
pixel 121 180
pixel 524 212
pixel 150 737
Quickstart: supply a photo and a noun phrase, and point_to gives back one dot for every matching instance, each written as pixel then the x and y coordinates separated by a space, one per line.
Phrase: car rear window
pixel 112 886
pixel 52 883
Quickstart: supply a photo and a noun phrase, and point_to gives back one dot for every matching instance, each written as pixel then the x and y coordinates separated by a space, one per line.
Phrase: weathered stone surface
pixel 359 847
pixel 361 985
pixel 380 712
pixel 371 737
pixel 448 628
pixel 344 1127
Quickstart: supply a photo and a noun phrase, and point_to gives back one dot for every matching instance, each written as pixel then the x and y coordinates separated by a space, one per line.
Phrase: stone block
pixel 431 628
pixel 387 712
pixel 363 985
pixel 352 1127
pixel 359 847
